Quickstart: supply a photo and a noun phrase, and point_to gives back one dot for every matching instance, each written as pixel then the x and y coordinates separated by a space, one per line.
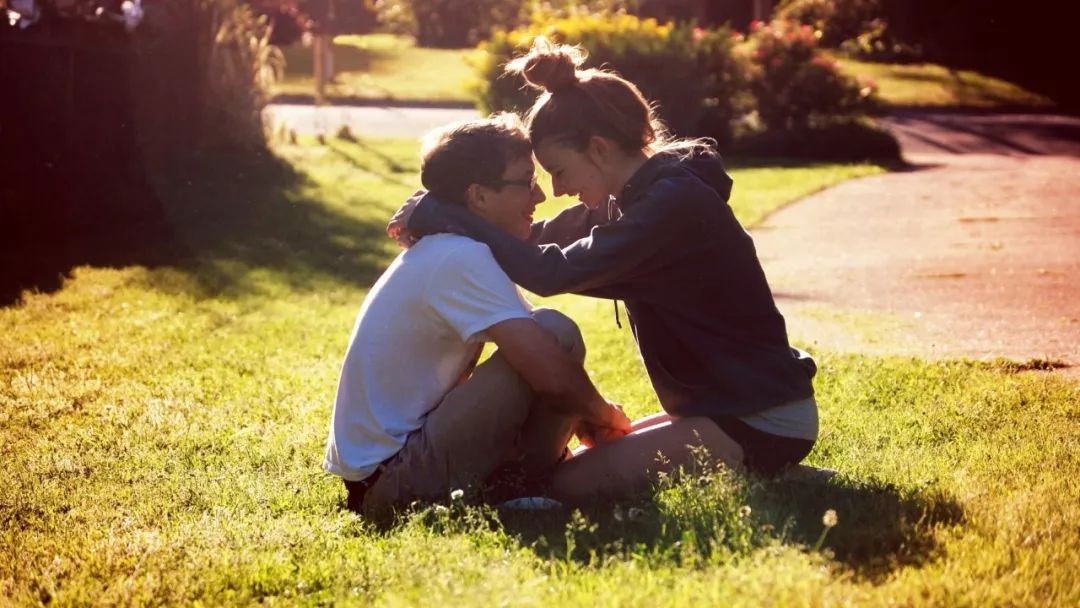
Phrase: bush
pixel 692 74
pixel 837 20
pixel 202 75
pixel 858 27
pixel 794 85
pixel 852 140
pixel 448 23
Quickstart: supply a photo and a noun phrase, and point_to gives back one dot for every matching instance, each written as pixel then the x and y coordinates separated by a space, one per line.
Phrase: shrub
pixel 837 20
pixel 858 27
pixel 448 23
pixel 202 75
pixel 847 140
pixel 795 85
pixel 692 74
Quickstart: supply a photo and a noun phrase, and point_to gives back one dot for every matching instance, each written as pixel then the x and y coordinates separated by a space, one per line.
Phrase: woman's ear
pixel 598 150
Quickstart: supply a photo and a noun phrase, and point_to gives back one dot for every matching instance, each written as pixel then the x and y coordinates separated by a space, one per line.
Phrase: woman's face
pixel 573 173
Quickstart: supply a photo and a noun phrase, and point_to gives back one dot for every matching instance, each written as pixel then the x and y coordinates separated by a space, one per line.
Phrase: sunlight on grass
pixel 161 431
pixel 926 84
pixel 381 66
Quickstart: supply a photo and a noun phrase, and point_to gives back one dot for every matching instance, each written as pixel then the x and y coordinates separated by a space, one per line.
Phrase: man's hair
pixel 474 152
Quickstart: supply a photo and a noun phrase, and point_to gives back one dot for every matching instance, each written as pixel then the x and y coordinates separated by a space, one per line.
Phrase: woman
pixel 654 230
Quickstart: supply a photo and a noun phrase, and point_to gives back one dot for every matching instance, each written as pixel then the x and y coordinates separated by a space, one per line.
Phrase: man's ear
pixel 474 198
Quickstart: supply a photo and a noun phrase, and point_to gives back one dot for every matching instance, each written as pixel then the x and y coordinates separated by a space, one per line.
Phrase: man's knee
pixel 564 329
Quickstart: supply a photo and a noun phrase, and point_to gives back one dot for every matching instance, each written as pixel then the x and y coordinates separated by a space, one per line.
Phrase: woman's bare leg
pixel 649 421
pixel 641 424
pixel 630 464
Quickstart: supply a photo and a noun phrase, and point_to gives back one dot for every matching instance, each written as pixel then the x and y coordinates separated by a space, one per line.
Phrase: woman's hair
pixel 578 104
pixel 474 152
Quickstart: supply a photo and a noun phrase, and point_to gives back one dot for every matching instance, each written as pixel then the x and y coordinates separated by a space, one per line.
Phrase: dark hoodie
pixel 703 316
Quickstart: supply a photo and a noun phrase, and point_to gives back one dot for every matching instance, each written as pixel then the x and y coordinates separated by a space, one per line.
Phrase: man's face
pixel 509 204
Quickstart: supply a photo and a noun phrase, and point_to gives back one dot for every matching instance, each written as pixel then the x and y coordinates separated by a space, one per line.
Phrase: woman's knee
pixel 564 329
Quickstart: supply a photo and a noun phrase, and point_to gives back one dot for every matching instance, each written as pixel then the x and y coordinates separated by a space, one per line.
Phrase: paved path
pixel 973 253
pixel 377 121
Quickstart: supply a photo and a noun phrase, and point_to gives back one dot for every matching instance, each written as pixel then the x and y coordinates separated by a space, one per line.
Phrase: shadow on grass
pixel 54 221
pixel 234 215
pixel 881 528
pixel 216 217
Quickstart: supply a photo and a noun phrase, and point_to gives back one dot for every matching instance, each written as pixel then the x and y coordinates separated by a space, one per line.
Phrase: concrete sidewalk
pixel 975 252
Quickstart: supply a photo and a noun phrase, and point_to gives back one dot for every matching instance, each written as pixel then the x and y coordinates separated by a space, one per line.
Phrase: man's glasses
pixel 524 183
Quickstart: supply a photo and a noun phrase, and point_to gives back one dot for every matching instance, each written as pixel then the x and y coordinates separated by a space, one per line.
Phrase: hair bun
pixel 549 66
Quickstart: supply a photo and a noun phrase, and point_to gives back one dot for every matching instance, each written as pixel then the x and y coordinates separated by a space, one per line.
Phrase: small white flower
pixel 457 494
pixel 744 511
pixel 635 513
pixel 829 519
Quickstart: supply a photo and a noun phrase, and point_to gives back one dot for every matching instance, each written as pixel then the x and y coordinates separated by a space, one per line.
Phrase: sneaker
pixel 530 503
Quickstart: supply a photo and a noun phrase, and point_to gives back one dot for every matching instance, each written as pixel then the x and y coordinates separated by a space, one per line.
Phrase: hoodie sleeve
pixel 648 236
pixel 568 226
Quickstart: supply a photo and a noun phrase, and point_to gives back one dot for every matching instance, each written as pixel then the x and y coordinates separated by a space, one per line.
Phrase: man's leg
pixel 549 427
pixel 477 423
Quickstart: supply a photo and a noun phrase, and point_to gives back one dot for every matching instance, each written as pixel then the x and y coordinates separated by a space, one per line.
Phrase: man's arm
pixel 548 369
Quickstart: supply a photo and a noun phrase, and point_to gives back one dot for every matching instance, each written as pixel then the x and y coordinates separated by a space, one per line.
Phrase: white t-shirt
pixel 418 329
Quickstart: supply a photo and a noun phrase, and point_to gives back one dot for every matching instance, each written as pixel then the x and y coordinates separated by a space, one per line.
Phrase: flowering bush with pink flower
pixel 795 86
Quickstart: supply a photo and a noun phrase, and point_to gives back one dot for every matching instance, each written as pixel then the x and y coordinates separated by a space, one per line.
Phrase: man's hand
pixel 615 426
pixel 398 228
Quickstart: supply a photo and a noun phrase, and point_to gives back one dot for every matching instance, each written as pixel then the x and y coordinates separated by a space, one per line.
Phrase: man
pixel 412 418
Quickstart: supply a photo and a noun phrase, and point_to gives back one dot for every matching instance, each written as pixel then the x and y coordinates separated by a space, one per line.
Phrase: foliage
pixel 240 67
pixel 203 74
pixel 837 20
pixel 692 74
pixel 794 84
pixel 291 18
pixel 859 27
pixel 448 23
pixel 845 140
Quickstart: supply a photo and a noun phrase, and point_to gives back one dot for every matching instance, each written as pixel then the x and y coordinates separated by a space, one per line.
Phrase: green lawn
pixel 381 66
pixel 930 85
pixel 161 431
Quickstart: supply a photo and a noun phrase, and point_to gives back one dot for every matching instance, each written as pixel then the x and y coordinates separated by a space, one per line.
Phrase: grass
pixel 384 67
pixel 161 430
pixel 930 85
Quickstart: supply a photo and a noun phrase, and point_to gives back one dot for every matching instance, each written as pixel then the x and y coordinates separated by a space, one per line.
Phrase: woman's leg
pixel 630 464
pixel 652 420
pixel 641 424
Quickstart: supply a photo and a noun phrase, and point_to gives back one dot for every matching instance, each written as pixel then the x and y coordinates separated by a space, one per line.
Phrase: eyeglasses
pixel 524 183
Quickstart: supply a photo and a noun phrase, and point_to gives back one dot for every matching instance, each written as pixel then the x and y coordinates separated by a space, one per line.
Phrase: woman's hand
pixel 398 228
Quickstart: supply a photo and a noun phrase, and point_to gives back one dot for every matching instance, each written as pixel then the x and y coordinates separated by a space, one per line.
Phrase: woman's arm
pixel 569 225
pixel 645 238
